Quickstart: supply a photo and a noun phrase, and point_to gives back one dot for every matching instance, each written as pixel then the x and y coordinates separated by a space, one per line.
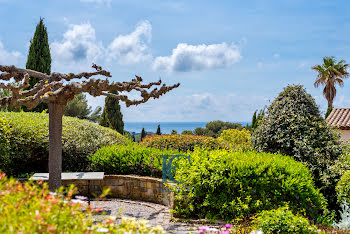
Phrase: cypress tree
pixel 143 133
pixel 111 116
pixel 158 130
pixel 254 120
pixel 39 58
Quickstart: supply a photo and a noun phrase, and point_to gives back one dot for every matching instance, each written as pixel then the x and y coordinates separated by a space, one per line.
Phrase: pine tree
pixel 111 116
pixel 158 130
pixel 143 133
pixel 39 58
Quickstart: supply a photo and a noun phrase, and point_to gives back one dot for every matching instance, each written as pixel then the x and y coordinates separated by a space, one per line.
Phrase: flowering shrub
pixel 25 137
pixel 238 140
pixel 282 220
pixel 182 143
pixel 28 208
pixel 129 159
pixel 229 185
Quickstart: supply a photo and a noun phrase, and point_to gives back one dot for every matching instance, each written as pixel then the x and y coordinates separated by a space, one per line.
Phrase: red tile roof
pixel 340 118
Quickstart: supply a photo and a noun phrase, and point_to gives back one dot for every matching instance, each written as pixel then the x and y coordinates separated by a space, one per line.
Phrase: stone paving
pixel 154 213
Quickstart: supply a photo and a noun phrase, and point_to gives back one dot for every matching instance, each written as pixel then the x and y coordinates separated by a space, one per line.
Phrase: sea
pixel 166 127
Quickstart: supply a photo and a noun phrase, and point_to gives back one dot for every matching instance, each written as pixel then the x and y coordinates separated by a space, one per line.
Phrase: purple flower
pixel 203 228
pixel 228 225
pixel 225 232
pixel 116 149
pixel 315 203
pixel 297 197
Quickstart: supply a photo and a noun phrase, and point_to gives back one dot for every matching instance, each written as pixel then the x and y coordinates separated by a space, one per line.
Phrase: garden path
pixel 154 213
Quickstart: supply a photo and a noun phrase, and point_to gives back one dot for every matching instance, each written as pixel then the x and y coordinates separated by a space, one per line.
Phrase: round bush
pixel 182 143
pixel 229 185
pixel 282 220
pixel 343 188
pixel 129 159
pixel 26 137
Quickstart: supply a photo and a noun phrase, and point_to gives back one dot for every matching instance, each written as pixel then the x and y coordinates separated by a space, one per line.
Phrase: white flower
pixel 213 229
pixel 52 193
pixel 102 230
pixel 256 232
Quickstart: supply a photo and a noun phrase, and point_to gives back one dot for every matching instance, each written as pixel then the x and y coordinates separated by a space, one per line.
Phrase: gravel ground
pixel 154 213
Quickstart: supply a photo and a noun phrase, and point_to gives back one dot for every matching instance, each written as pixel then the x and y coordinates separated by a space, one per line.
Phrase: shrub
pixel 343 188
pixel 26 136
pixel 230 185
pixel 182 143
pixel 293 126
pixel 238 140
pixel 282 220
pixel 129 159
pixel 28 208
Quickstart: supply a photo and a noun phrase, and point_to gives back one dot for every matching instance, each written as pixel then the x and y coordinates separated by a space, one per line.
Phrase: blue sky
pixel 231 57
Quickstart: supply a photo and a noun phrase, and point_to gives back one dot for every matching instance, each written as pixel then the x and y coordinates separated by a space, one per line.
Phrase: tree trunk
pixel 55 145
pixel 330 103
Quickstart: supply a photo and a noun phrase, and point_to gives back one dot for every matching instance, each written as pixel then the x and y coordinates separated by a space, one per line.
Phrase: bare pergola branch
pixel 52 89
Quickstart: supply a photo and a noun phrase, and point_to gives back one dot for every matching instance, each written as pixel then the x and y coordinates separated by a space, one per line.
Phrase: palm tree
pixel 331 73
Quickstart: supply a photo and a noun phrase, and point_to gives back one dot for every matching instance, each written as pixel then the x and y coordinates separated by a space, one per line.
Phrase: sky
pixel 231 57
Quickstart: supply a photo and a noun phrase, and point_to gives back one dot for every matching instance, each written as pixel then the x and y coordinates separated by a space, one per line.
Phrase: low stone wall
pixel 128 186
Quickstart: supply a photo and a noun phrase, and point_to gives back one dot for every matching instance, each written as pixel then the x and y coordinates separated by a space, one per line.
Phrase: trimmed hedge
pixel 182 143
pixel 129 159
pixel 229 185
pixel 24 141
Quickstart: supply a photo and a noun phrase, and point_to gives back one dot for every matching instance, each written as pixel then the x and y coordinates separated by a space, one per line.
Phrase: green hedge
pixel 182 143
pixel 24 142
pixel 129 159
pixel 229 185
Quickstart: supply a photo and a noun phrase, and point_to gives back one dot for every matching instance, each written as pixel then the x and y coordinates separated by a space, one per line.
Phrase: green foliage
pixel 282 220
pixel 173 132
pixel 143 134
pixel 28 141
pixel 129 159
pixel 238 140
pixel 343 188
pixel 329 110
pixel 111 116
pixel 182 143
pixel 39 57
pixel 214 128
pixel 230 185
pixel 29 208
pixel 78 107
pixel 187 132
pixel 158 130
pixel 257 119
pixel 294 126
pixel 254 120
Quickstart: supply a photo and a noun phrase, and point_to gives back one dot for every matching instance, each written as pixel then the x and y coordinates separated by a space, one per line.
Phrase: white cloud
pixel 78 47
pixel 198 57
pixel 132 48
pixel 260 64
pixel 276 55
pixel 103 2
pixel 9 57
